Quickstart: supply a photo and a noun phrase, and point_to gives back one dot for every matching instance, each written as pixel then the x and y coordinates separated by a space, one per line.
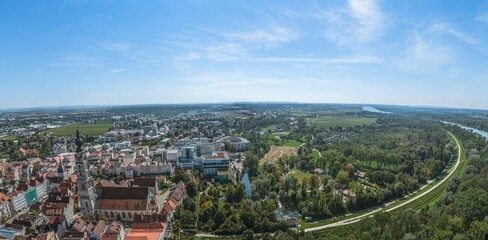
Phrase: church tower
pixel 86 189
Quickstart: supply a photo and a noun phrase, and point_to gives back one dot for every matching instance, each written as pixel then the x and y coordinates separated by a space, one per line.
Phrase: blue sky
pixel 56 53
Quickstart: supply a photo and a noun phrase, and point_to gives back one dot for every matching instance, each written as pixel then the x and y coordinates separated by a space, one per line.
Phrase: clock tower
pixel 86 189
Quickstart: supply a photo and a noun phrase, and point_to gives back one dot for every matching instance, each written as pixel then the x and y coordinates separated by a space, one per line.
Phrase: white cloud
pixel 424 49
pixel 461 36
pixel 118 70
pixel 78 61
pixel 219 53
pixel 340 60
pixel 424 55
pixel 115 46
pixel 270 37
pixel 361 22
pixel 483 17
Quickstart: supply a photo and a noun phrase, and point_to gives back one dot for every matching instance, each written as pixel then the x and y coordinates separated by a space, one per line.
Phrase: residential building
pixel 6 208
pixel 172 155
pixel 9 233
pixel 237 143
pixel 19 202
pixel 211 165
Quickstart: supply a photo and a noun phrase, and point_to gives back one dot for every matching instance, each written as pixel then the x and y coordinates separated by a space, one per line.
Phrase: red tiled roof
pixel 168 209
pixel 150 218
pixel 144 182
pixel 148 226
pixel 100 228
pixel 124 193
pixel 126 204
pixel 144 235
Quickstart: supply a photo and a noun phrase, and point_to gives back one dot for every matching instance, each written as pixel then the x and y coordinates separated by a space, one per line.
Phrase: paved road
pixel 369 214
pixel 320 154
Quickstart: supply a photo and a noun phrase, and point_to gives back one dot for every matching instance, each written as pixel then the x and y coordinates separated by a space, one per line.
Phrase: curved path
pixel 320 154
pixel 369 214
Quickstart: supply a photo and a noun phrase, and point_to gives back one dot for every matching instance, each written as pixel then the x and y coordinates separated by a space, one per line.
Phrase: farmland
pixel 325 122
pixel 93 129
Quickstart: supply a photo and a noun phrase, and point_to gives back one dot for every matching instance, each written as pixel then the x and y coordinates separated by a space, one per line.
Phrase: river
pixel 475 130
pixel 373 110
pixel 247 184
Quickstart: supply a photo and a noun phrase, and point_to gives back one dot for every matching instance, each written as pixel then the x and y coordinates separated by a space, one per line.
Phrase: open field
pixel 330 111
pixel 9 137
pixel 276 152
pixel 94 129
pixel 282 142
pixel 284 133
pixel 231 115
pixel 291 143
pixel 270 127
pixel 301 175
pixel 332 121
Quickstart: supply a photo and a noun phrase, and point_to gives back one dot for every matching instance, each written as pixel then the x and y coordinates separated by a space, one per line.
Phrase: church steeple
pixel 86 188
pixel 78 141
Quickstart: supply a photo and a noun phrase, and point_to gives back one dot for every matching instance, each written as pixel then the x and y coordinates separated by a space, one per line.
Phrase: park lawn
pixel 282 142
pixel 9 137
pixel 291 143
pixel 288 143
pixel 325 122
pixel 301 175
pixel 314 155
pixel 231 115
pixel 284 133
pixel 348 110
pixel 270 127
pixel 94 129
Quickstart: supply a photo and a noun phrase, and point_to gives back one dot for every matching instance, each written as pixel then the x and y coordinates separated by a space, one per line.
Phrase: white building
pixel 141 151
pixel 167 167
pixel 237 143
pixel 42 188
pixel 211 165
pixel 124 144
pixel 9 233
pixel 187 152
pixel 185 165
pixel 172 155
pixel 19 201
pixel 6 209
pixel 128 156
pixel 207 148
pixel 129 173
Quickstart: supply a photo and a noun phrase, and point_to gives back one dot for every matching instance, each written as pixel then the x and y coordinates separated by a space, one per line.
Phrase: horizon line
pixel 74 107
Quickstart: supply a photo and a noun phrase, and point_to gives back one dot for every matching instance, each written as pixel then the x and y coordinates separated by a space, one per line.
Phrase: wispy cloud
pixel 424 49
pixel 81 61
pixel 340 60
pixel 450 30
pixel 483 17
pixel 118 70
pixel 424 55
pixel 270 37
pixel 219 53
pixel 115 46
pixel 361 22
